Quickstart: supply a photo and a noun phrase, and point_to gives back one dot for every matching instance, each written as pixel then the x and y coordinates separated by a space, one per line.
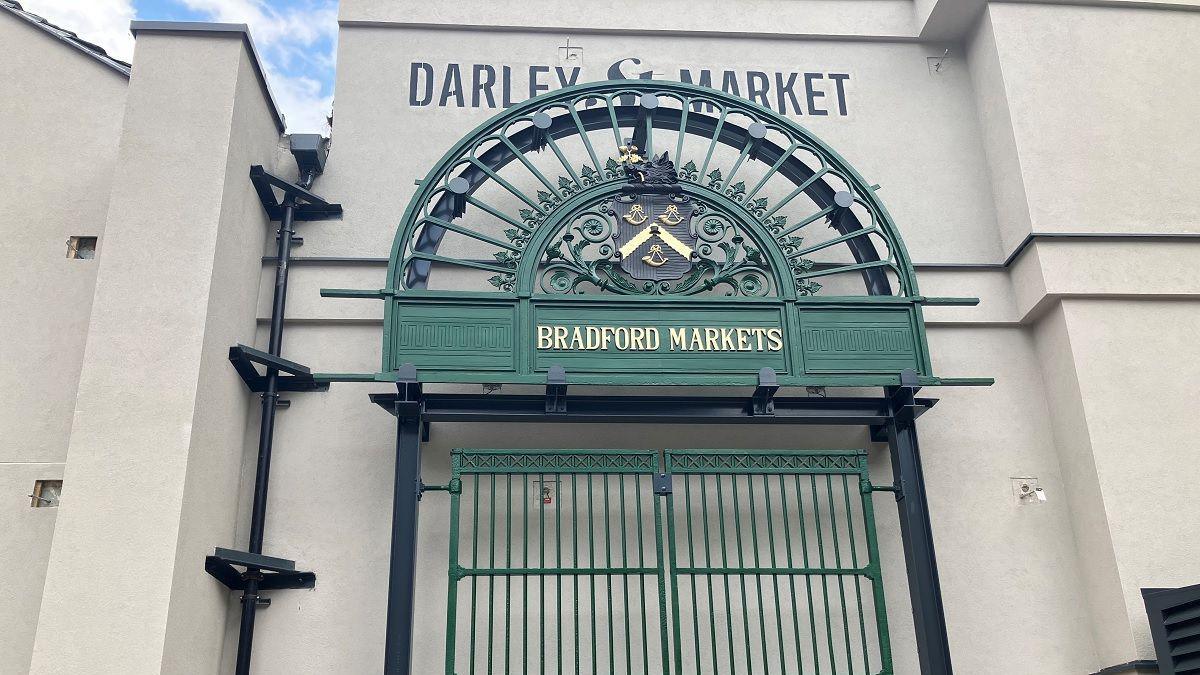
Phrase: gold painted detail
pixel 656 257
pixel 667 238
pixel 629 154
pixel 636 215
pixel 671 217
pixel 649 339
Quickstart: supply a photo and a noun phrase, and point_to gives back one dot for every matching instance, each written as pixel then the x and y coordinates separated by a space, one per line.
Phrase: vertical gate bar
pixel 558 558
pixel 812 479
pixel 737 533
pixel 787 542
pixel 862 620
pixel 812 615
pixel 774 577
pixel 663 466
pixel 642 577
pixel 508 578
pixel 474 564
pixel 875 570
pixel 453 575
pixel 612 663
pixel 625 579
pixel 672 542
pixel 491 606
pixel 837 562
pixel 592 577
pixel 762 617
pixel 725 576
pixel 542 577
pixel 929 618
pixel 525 579
pixel 687 500
pixel 712 608
pixel 575 559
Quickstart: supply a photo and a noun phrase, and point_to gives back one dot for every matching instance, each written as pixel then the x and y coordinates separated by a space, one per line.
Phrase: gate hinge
pixel 662 484
pixel 895 489
pixel 454 487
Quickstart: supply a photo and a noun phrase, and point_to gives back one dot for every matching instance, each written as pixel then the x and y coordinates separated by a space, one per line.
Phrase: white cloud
pixel 103 22
pixel 286 38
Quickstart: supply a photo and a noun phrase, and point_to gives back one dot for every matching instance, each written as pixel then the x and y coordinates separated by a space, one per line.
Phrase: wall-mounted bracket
pixel 556 390
pixel 298 377
pixel 308 206
pixel 763 399
pixel 270 572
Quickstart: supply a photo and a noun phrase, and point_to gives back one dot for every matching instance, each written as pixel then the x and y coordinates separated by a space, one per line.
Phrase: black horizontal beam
pixel 653 409
pixel 298 378
pixel 308 206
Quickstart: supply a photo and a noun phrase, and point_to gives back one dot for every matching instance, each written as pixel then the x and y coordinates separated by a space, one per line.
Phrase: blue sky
pixel 297 39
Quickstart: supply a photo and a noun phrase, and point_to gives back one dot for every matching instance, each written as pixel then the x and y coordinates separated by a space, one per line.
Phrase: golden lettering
pixel 648 338
pixel 727 339
pixel 743 339
pixel 678 338
pixel 774 339
pixel 621 338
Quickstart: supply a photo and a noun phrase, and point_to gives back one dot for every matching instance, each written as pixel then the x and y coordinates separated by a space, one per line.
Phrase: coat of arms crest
pixel 654 235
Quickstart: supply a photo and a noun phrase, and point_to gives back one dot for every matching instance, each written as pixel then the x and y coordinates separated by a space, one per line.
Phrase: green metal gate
pixel 683 561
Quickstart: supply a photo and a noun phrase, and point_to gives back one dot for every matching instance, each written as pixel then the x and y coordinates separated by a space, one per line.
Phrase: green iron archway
pixel 531 235
pixel 518 211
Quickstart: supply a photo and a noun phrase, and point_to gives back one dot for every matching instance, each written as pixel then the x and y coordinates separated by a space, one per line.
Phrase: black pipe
pixel 266 433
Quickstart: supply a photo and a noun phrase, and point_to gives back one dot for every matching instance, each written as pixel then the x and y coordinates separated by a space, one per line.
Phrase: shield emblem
pixel 654 235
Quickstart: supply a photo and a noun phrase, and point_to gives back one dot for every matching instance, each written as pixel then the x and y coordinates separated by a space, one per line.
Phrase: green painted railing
pixel 617 561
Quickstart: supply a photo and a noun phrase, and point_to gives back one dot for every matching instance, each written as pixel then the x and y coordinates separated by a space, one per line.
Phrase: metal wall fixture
pixel 259 572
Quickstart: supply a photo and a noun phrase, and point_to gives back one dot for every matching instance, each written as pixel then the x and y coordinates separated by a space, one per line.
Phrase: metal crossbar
pixel 581 561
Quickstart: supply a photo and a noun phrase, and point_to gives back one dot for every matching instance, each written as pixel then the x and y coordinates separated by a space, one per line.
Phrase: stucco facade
pixel 1034 155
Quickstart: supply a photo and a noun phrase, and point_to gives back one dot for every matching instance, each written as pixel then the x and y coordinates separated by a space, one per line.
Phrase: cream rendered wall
pixel 1100 109
pixel 156 444
pixel 1134 363
pixel 60 118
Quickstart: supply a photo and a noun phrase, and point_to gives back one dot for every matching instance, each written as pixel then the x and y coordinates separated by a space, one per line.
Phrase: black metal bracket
pixel 904 402
pixel 271 573
pixel 298 378
pixel 763 400
pixel 308 206
pixel 454 487
pixel 556 390
pixel 407 403
pixel 662 484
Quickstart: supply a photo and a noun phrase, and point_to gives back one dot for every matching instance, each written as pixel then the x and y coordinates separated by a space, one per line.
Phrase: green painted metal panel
pixel 731 561
pixel 858 340
pixel 457 336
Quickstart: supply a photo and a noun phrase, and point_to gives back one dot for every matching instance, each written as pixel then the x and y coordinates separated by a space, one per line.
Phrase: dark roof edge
pixel 65 36
pixel 185 27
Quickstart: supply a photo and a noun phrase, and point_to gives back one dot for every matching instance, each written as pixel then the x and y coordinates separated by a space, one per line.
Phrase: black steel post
pixel 406 495
pixel 924 589
pixel 266 433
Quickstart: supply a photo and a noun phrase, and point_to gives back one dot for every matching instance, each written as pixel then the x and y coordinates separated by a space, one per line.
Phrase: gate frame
pixel 890 418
